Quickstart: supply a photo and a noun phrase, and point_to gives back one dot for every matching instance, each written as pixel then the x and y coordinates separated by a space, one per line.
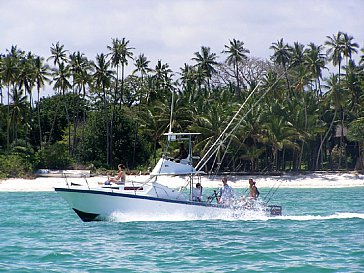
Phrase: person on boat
pixel 225 193
pixel 197 193
pixel 120 178
pixel 253 190
pixel 182 154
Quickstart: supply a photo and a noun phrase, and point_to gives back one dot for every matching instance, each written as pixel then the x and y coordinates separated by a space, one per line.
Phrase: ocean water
pixel 321 230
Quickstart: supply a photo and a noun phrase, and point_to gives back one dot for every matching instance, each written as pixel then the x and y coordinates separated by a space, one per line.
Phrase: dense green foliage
pixel 297 115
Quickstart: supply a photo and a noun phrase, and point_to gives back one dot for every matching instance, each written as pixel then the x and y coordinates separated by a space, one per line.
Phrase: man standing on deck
pixel 225 193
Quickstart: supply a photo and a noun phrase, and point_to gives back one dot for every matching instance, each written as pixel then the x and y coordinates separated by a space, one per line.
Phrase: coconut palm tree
pixel 361 62
pixel 349 47
pixel 102 79
pixel 335 50
pixel 120 53
pixel 297 54
pixel 154 122
pixel 61 77
pixel 25 77
pixel 315 61
pixel 236 54
pixel 282 56
pixel 9 72
pixel 163 81
pixel 18 111
pixel 80 71
pixel 116 59
pixel 279 134
pixel 58 54
pixel 41 73
pixel 142 66
pixel 206 61
pixel 353 85
pixel 336 99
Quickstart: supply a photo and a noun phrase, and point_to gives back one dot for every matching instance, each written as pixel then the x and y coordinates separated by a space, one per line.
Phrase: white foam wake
pixel 246 216
pixel 341 215
pixel 227 215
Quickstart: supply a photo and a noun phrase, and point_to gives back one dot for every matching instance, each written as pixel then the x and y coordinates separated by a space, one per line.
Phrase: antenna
pixel 171 115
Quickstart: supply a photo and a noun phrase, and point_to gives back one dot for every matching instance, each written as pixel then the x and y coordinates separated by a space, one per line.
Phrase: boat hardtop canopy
pixel 179 136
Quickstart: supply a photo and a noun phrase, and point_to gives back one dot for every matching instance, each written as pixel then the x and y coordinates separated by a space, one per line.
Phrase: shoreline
pixel 312 180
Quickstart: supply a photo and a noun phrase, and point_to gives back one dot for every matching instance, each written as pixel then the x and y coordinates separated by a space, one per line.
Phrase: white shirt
pixel 196 194
pixel 226 193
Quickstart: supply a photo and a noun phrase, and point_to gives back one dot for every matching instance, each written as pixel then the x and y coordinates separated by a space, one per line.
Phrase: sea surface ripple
pixel 321 230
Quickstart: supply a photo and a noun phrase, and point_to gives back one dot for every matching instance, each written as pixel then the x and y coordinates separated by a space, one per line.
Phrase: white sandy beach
pixel 314 180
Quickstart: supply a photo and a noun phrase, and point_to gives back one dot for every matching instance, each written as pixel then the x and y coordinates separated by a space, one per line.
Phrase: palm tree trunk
pixel 8 121
pixel 325 136
pixel 122 85
pixel 39 125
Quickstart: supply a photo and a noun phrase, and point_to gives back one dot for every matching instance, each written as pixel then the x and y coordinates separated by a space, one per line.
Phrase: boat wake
pixel 341 215
pixel 231 216
pixel 227 215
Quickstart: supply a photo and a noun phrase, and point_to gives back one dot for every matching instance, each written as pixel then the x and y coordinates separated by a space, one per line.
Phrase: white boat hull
pixel 99 205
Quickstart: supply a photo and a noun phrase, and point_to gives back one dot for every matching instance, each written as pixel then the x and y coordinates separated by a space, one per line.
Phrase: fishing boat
pixel 98 203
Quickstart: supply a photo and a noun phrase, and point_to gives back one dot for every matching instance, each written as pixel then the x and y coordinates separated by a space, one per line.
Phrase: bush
pixel 54 156
pixel 13 165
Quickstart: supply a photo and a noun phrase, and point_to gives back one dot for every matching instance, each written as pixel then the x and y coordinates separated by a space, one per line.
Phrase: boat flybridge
pixel 104 202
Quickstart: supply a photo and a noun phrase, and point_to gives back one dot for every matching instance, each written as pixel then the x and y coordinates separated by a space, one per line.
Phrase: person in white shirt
pixel 197 193
pixel 225 193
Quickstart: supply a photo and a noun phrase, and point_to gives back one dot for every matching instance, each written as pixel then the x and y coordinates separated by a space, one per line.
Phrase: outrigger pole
pixel 219 141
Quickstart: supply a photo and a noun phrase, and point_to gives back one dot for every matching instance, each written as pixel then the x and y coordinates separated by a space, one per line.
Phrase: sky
pixel 173 30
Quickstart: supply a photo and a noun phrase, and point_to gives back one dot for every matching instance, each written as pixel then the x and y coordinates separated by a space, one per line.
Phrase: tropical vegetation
pixel 302 109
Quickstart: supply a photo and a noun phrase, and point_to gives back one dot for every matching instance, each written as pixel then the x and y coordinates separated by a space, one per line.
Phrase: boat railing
pixel 84 176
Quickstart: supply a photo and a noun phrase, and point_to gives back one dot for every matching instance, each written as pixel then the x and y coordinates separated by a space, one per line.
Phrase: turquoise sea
pixel 322 230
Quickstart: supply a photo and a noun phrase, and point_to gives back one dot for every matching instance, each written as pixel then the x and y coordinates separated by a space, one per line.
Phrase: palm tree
pixel 9 72
pixel 278 134
pixel 162 79
pixel 126 54
pixel 141 66
pixel 102 80
pixel 188 78
pixel 61 78
pixel 116 57
pixel 336 98
pixel 61 81
pixel 120 53
pixel 206 61
pixel 314 60
pixel 154 122
pixel 18 109
pixel 282 56
pixel 1 80
pixel 58 54
pixel 297 54
pixel 348 46
pixel 353 74
pixel 41 73
pixel 361 62
pixel 236 54
pixel 335 50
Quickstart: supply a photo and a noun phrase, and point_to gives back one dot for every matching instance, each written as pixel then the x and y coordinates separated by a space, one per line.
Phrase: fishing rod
pixel 274 185
pixel 274 192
